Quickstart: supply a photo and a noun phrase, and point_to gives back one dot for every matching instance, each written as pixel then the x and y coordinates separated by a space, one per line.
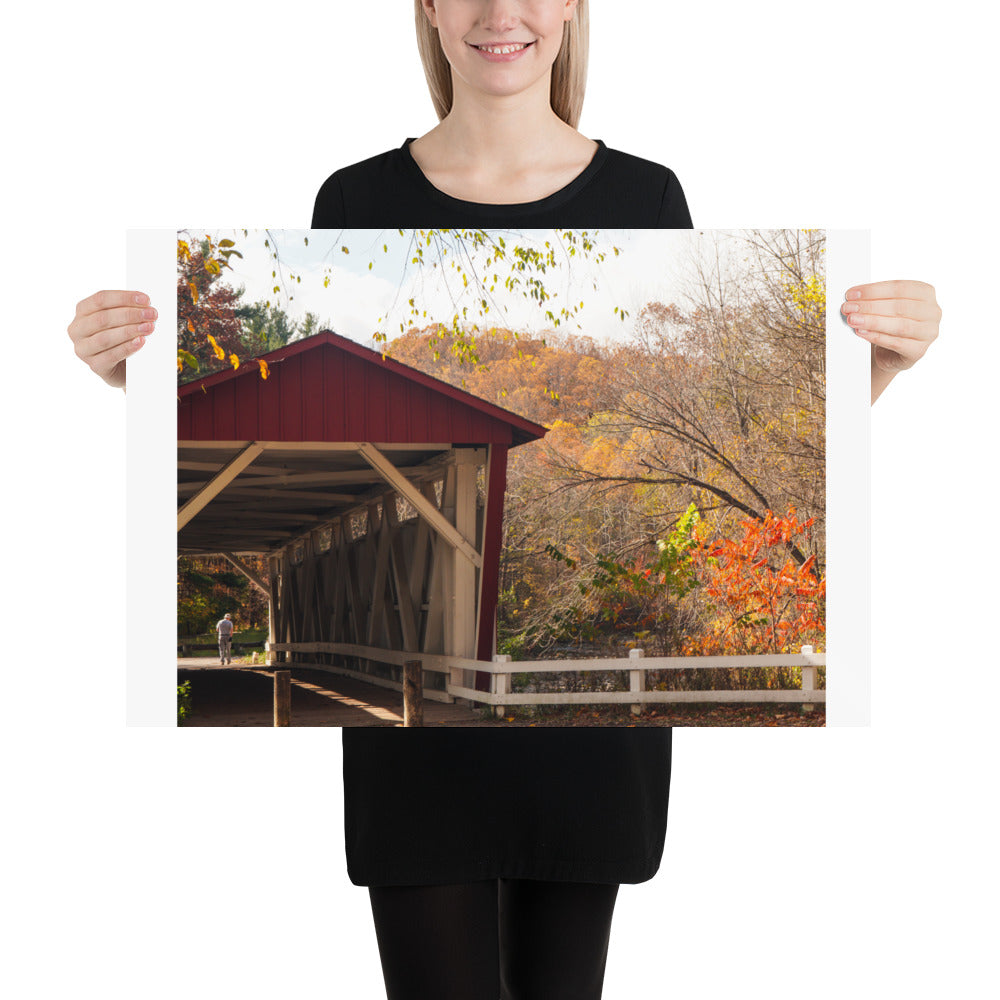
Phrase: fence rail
pixel 637 664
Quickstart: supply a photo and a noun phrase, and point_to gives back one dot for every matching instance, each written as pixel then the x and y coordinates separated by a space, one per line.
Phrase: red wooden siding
pixel 328 388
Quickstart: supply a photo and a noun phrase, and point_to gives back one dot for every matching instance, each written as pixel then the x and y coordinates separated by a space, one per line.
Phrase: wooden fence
pixel 637 664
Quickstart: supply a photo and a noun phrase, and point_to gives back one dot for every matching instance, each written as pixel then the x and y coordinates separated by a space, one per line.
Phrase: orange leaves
pixel 264 370
pixel 768 601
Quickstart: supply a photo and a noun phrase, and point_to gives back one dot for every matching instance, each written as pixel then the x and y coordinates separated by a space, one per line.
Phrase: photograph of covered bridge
pixel 363 499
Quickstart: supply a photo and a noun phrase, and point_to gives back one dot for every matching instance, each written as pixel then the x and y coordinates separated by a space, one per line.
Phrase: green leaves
pixel 187 358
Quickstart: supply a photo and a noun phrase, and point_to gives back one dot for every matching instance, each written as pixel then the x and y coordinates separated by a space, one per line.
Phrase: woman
pixel 493 857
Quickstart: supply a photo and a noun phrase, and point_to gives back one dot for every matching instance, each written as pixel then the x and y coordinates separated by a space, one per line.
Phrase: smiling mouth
pixel 503 50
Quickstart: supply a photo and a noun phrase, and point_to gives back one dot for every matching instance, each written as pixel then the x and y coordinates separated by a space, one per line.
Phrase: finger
pixel 106 361
pixel 110 299
pixel 899 289
pixel 110 319
pixel 894 326
pixel 915 309
pixel 909 349
pixel 105 340
pixel 898 345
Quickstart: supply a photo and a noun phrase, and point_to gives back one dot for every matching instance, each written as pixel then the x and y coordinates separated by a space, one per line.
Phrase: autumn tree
pixel 209 586
pixel 208 328
pixel 724 398
pixel 761 599
pixel 755 598
pixel 483 270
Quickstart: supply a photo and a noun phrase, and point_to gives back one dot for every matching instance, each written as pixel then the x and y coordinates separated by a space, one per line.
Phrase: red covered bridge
pixel 376 492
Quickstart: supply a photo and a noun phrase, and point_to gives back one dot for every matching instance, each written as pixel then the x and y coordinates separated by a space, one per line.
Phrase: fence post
pixel 636 679
pixel 413 694
pixel 282 697
pixel 808 679
pixel 500 684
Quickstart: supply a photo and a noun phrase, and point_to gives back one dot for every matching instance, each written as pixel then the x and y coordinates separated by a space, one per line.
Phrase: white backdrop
pixel 201 863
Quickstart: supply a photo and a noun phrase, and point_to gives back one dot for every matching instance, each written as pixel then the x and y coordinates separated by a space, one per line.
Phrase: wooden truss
pixel 380 546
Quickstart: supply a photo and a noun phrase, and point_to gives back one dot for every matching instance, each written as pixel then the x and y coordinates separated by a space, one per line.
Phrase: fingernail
pixel 854 293
pixel 149 314
pixel 138 342
pixel 851 307
pixel 145 328
pixel 142 300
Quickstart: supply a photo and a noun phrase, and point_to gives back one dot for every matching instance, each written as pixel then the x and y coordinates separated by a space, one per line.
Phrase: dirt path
pixel 244 696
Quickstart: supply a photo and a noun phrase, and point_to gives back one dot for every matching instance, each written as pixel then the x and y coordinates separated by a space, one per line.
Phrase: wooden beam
pixel 248 573
pixel 218 483
pixel 257 470
pixel 259 495
pixel 296 478
pixel 282 697
pixel 413 689
pixel 277 446
pixel 425 509
pixel 222 530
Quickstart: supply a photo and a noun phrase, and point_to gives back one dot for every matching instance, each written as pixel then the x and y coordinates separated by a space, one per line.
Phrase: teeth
pixel 501 50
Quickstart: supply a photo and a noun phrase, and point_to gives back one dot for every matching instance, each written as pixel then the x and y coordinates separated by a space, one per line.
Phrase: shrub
pixel 183 702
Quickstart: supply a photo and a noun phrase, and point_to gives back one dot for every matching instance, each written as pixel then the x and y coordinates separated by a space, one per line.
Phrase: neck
pixel 502 150
pixel 501 130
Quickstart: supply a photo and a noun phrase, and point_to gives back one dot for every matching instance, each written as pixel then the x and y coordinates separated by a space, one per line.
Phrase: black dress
pixel 435 806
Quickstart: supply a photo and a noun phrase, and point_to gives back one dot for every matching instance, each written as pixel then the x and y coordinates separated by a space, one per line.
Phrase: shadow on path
pixel 244 696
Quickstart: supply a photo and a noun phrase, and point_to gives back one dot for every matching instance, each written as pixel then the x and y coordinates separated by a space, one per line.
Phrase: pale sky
pixel 650 267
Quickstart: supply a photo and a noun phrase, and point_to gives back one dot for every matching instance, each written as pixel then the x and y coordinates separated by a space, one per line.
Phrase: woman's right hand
pixel 108 328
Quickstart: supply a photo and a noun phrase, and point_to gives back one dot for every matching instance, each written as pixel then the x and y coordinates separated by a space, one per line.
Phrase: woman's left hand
pixel 900 319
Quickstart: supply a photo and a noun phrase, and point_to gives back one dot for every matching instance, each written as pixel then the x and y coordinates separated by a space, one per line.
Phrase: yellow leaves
pixel 809 295
pixel 264 370
pixel 183 250
pixel 234 361
pixel 601 456
pixel 194 292
pixel 219 352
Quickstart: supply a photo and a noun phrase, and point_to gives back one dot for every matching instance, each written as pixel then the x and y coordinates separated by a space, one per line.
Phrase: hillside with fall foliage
pixel 678 499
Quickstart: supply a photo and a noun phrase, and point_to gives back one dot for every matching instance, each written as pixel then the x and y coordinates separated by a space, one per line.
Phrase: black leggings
pixel 512 939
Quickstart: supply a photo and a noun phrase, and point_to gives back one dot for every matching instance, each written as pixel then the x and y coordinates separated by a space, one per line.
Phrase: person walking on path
pixel 225 629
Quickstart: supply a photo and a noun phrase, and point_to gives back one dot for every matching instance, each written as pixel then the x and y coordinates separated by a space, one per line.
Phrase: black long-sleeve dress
pixel 436 806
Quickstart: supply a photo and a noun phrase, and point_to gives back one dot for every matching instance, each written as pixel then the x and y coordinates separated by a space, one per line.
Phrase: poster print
pixel 473 478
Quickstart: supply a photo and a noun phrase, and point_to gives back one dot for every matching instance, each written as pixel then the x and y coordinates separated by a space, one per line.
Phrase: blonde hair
pixel 569 71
